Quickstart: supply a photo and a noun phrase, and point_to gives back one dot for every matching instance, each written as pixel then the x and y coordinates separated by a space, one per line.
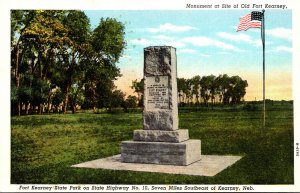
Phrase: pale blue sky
pixel 207 43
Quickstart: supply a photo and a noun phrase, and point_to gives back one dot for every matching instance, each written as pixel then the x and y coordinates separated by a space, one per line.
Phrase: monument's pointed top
pixel 151 47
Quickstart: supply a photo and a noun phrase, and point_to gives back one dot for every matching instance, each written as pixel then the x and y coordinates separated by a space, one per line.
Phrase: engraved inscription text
pixel 157 92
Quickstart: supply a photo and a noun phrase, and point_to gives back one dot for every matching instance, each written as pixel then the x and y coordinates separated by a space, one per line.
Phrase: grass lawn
pixel 43 147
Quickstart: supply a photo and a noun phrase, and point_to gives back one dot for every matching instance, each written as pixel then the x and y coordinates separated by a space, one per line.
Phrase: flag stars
pixel 256 15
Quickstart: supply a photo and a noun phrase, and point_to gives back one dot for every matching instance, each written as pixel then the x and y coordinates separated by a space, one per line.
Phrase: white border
pixel 125 5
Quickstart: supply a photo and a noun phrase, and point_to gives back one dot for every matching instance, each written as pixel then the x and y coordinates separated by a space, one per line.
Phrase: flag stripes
pixel 247 22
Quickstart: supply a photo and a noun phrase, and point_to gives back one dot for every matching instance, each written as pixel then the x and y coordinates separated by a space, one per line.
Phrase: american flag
pixel 251 20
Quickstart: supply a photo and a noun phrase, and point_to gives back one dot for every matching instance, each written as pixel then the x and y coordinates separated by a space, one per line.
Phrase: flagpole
pixel 246 23
pixel 264 77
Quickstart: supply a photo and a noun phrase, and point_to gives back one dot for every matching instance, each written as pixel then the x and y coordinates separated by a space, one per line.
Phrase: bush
pixel 250 107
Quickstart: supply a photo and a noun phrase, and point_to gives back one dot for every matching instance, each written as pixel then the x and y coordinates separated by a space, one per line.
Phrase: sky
pixel 207 43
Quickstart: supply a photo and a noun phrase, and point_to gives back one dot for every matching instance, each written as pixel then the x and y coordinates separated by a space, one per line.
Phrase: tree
pixel 131 101
pixel 231 89
pixel 107 44
pixel 204 91
pixel 20 20
pixel 237 89
pixel 188 91
pixel 76 97
pixel 222 83
pixel 116 99
pixel 109 39
pixel 196 87
pixel 182 90
pixel 57 99
pixel 138 87
pixel 73 58
pixel 57 49
pixel 35 34
pixel 212 86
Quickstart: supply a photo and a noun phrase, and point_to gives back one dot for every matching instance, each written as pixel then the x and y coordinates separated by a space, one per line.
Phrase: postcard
pixel 149 96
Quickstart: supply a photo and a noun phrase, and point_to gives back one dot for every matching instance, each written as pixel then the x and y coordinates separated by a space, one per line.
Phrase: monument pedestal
pixel 183 153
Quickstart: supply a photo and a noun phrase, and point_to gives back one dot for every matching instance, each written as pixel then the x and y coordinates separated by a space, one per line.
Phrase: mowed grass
pixel 43 147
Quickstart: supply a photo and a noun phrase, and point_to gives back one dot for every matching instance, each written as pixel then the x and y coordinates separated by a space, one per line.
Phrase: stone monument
pixel 160 146
pixel 160 141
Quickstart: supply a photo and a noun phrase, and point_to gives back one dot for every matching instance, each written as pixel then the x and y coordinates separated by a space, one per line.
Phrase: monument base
pixel 161 135
pixel 209 165
pixel 183 153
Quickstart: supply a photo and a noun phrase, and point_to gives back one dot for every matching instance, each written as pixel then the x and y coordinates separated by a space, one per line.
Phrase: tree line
pixel 58 63
pixel 56 58
pixel 222 89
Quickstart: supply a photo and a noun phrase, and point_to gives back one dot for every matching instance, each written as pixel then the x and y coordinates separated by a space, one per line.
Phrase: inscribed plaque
pixel 157 93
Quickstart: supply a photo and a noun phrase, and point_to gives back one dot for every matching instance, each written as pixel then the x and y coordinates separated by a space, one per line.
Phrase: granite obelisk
pixel 160 141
